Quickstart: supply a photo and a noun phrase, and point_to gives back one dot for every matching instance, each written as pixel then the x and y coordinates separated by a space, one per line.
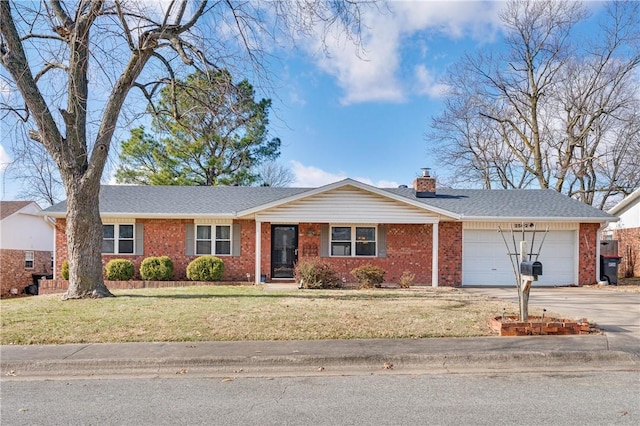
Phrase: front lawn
pixel 248 313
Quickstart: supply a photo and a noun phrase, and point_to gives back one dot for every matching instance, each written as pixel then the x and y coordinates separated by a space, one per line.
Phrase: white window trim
pixel 116 239
pixel 213 239
pixel 32 260
pixel 353 239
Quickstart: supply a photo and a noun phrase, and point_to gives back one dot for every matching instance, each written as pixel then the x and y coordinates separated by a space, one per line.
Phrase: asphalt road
pixel 586 398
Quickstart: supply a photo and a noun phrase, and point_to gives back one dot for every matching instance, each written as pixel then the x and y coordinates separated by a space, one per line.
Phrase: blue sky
pixel 366 116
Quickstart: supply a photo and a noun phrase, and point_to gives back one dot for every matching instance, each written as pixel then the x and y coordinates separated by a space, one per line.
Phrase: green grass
pixel 247 313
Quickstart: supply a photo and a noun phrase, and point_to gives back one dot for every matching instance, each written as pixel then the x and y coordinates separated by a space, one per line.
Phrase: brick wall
pixel 629 250
pixel 167 237
pixel 450 253
pixel 409 248
pixel 587 244
pixel 13 273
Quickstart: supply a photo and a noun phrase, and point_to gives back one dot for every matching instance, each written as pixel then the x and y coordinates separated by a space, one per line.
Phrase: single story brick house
pixel 26 245
pixel 627 232
pixel 445 237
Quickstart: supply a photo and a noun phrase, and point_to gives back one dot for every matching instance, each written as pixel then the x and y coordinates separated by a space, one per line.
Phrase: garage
pixel 485 261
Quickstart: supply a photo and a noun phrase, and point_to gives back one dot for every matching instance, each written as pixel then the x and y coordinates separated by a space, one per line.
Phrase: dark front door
pixel 284 250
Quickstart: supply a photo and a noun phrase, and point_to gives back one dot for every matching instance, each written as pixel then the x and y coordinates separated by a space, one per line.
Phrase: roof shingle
pixel 229 200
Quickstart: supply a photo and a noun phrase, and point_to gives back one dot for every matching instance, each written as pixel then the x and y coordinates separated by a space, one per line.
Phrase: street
pixel 585 398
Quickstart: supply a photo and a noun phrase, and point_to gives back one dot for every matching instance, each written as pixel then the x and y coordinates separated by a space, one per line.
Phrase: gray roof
pixel 183 200
pixel 227 201
pixel 507 203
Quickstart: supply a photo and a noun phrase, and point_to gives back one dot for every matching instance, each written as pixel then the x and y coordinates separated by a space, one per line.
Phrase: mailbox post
pixel 526 270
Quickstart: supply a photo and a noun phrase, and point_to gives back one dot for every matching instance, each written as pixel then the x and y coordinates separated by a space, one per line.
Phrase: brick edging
pixel 60 286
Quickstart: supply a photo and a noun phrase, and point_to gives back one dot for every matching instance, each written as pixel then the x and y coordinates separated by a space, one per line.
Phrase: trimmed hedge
pixel 314 273
pixel 205 268
pixel 156 268
pixel 119 270
pixel 64 270
pixel 369 276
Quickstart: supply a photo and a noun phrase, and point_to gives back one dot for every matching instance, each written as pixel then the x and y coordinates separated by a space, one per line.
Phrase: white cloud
pixel 374 77
pixel 5 159
pixel 426 84
pixel 313 177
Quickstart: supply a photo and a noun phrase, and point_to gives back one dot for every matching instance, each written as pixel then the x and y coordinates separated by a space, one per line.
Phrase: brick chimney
pixel 425 185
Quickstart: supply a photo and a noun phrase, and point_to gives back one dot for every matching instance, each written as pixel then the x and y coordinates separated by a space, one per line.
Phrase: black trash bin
pixel 609 268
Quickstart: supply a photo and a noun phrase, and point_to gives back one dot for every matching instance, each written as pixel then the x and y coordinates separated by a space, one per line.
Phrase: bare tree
pixel 553 104
pixel 34 168
pixel 72 66
pixel 274 174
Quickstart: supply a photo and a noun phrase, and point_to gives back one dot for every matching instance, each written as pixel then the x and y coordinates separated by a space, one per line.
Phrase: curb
pixel 295 365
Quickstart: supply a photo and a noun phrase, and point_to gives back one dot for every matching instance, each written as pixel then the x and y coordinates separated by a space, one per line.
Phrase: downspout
pixel 603 226
pixel 52 222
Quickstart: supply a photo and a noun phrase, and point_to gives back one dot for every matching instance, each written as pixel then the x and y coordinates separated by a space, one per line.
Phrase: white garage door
pixel 485 261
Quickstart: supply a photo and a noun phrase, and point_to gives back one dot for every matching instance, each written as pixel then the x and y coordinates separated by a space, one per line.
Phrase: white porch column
pixel 258 237
pixel 434 257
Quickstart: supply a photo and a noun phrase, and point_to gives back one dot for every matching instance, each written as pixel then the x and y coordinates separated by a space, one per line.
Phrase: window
pixel 213 239
pixel 353 241
pixel 28 260
pixel 117 239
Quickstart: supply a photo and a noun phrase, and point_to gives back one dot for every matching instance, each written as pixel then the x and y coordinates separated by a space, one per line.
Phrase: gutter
pixel 539 219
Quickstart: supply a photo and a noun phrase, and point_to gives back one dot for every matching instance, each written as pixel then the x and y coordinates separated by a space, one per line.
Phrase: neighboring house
pixel 444 237
pixel 627 232
pixel 26 245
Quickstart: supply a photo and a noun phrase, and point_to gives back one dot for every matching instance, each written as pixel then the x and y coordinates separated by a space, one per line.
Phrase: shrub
pixel 119 270
pixel 369 276
pixel 314 273
pixel 406 280
pixel 205 268
pixel 156 268
pixel 64 270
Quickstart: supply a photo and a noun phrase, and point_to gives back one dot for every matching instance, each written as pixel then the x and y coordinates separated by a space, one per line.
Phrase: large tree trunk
pixel 84 242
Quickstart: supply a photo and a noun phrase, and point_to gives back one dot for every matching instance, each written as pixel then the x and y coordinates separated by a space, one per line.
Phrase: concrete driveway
pixel 617 313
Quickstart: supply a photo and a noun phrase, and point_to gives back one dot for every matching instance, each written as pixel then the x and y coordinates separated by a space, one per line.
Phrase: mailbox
pixel 531 268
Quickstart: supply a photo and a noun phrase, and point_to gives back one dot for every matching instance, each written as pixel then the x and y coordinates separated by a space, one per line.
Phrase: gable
pixel 629 211
pixel 26 230
pixel 347 204
pixel 7 208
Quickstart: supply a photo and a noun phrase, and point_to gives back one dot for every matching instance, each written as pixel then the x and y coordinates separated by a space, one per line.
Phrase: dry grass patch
pixel 247 313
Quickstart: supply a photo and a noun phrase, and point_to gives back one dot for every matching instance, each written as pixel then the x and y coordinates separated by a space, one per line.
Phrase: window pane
pixel 341 249
pixel 203 233
pixel 107 246
pixel 203 247
pixel 223 232
pixel 365 234
pixel 341 233
pixel 108 231
pixel 365 249
pixel 28 259
pixel 125 246
pixel 126 231
pixel 223 247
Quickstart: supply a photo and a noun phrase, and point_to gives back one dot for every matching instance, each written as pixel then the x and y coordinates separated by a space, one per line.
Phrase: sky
pixel 366 116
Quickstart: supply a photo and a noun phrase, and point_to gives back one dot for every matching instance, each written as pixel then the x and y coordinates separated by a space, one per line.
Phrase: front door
pixel 284 250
